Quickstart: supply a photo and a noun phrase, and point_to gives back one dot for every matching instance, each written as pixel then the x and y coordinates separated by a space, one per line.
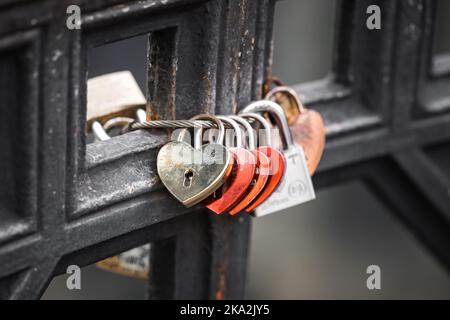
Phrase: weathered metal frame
pixel 94 201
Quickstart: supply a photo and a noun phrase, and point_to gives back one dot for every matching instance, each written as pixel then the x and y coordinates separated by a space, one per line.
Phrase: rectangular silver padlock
pixel 295 188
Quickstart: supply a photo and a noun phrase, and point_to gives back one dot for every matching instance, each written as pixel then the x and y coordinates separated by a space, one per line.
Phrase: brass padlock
pixel 287 98
pixel 132 263
pixel 307 126
pixel 113 95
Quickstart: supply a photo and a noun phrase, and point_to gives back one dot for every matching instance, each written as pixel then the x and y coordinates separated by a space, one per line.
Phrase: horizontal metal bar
pixel 116 12
pixel 123 217
pixel 124 167
pixel 346 149
pixel 123 146
pixel 16 255
pixel 118 169
pixel 113 221
pixel 346 115
pixel 103 249
pixel 323 90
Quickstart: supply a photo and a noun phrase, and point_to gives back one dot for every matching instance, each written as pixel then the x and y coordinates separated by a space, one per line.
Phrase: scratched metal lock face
pixel 296 186
pixel 241 176
pixel 262 170
pixel 275 166
pixel 192 174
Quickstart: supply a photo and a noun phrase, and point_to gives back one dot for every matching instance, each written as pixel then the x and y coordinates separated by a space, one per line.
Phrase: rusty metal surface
pixel 63 202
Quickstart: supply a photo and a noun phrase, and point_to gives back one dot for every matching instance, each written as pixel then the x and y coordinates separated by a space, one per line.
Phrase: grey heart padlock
pixel 192 174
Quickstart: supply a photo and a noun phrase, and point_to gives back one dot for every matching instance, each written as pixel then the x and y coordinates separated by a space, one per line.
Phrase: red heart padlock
pixel 276 159
pixel 241 176
pixel 261 173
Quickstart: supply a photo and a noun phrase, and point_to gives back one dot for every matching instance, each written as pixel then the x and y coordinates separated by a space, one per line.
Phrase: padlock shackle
pixel 248 128
pixel 291 92
pixel 198 132
pixel 264 122
pixel 117 122
pixel 237 130
pixel 99 132
pixel 277 112
pixel 141 115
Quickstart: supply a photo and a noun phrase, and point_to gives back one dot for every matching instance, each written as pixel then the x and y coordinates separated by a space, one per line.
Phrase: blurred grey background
pixel 442 40
pixel 319 250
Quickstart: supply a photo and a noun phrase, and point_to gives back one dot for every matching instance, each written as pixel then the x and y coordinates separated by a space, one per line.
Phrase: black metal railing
pixel 64 202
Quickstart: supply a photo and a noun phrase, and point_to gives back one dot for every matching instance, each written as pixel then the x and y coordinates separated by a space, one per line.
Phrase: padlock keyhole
pixel 188 175
pixel 219 192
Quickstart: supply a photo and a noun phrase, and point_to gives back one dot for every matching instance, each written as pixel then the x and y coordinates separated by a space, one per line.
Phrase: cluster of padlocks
pixel 243 169
pixel 259 161
pixel 240 176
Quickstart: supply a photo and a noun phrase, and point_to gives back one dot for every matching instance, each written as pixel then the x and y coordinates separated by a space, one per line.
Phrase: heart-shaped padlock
pixel 308 130
pixel 262 171
pixel 276 161
pixel 190 174
pixel 241 176
pixel 307 126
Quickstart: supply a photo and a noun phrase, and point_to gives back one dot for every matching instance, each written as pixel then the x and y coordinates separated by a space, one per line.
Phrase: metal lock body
pixel 132 263
pixel 192 174
pixel 240 178
pixel 113 95
pixel 262 170
pixel 276 161
pixel 308 130
pixel 288 99
pixel 296 187
pixel 307 126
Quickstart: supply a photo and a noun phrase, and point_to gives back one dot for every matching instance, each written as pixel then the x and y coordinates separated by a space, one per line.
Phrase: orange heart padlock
pixel 241 176
pixel 276 159
pixel 307 126
pixel 261 173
